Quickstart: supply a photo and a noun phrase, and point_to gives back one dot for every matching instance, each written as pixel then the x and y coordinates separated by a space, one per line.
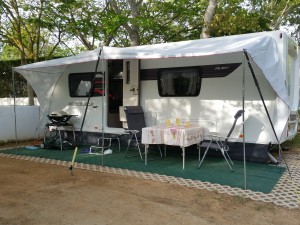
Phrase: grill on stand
pixel 55 135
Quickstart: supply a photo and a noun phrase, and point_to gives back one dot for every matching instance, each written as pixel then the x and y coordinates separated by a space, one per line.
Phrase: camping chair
pixel 136 121
pixel 218 142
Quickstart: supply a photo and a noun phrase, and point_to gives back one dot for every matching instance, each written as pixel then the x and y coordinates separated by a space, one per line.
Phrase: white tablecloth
pixel 181 136
pixel 172 135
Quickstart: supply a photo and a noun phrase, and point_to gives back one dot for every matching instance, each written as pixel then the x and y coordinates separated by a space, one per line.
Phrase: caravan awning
pixel 261 47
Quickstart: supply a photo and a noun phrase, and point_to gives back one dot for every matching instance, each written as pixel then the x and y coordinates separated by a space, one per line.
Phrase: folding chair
pixel 219 142
pixel 136 121
pixel 106 139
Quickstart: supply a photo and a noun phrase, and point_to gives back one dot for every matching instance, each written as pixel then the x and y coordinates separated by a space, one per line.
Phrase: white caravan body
pixel 135 76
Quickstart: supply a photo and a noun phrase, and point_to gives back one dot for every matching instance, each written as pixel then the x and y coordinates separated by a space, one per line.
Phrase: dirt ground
pixel 34 193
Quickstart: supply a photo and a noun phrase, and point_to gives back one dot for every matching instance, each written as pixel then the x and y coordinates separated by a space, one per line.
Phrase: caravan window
pixel 80 85
pixel 179 82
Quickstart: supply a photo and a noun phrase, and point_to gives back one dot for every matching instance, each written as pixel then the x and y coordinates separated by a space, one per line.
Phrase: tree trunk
pixel 30 95
pixel 209 13
pixel 133 31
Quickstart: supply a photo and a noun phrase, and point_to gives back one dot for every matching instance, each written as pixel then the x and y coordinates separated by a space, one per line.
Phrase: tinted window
pixel 179 82
pixel 80 85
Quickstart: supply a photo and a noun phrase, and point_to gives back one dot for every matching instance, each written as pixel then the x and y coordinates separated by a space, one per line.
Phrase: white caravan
pixel 205 81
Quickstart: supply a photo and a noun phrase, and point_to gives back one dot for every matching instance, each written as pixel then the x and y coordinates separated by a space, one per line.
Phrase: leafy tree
pixel 232 17
pixel 293 24
pixel 25 25
pixel 158 21
pixel 132 13
pixel 89 22
pixel 173 20
pixel 6 84
pixel 278 12
pixel 9 52
pixel 240 16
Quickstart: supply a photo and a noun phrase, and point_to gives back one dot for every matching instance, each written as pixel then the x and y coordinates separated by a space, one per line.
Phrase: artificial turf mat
pixel 260 177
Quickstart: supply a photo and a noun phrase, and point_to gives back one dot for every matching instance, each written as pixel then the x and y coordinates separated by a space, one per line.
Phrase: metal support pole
pixel 244 145
pixel 15 110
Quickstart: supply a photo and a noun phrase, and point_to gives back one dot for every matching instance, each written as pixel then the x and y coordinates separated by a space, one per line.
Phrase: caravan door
pixel 131 82
pixel 131 70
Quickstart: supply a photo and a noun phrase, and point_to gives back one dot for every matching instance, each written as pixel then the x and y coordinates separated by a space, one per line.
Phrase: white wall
pixel 27 119
pixel 19 101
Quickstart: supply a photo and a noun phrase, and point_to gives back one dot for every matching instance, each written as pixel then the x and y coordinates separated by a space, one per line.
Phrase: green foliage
pixel 53 27
pixel 86 20
pixel 294 143
pixel 171 21
pixel 6 80
pixel 283 13
pixel 31 28
pixel 233 18
pixel 9 52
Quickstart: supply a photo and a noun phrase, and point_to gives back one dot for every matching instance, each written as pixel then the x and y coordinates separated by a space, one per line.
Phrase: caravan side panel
pixel 219 99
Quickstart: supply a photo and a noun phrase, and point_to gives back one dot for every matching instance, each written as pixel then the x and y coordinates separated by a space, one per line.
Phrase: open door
pixel 131 70
pixel 115 92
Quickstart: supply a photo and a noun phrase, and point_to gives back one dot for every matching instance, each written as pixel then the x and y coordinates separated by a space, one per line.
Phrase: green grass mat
pixel 260 177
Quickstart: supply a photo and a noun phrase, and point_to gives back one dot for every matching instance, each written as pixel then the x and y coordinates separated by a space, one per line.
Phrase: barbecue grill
pixel 56 129
pixel 59 117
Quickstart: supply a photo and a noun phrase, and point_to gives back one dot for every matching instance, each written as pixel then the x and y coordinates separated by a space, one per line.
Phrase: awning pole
pixel 90 93
pixel 262 99
pixel 15 110
pixel 102 119
pixel 244 145
pixel 281 156
pixel 85 112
